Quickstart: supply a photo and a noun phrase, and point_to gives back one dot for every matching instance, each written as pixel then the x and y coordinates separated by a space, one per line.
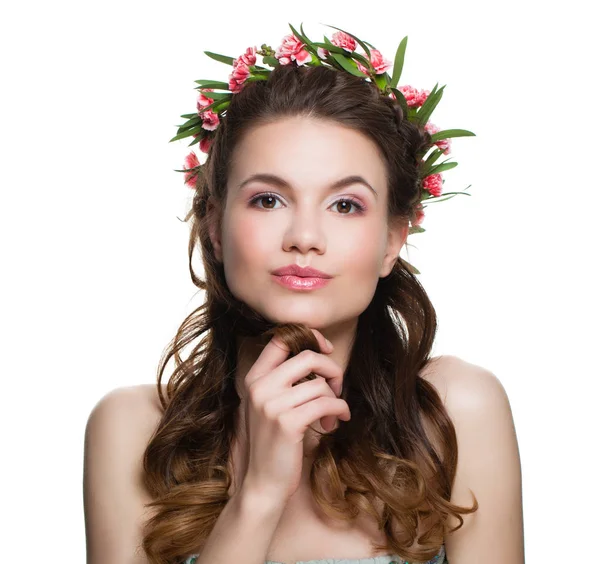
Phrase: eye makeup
pixel 353 201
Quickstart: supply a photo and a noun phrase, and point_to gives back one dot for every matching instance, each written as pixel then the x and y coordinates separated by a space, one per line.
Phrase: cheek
pixel 248 235
pixel 246 248
pixel 359 251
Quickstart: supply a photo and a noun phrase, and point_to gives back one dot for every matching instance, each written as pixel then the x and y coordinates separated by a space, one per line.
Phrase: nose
pixel 304 232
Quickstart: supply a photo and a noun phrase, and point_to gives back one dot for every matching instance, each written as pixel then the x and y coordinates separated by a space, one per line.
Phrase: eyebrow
pixel 282 183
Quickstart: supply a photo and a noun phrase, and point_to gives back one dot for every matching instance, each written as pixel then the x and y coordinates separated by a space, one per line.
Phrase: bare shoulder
pixel 138 406
pixel 116 435
pixel 461 384
pixel 489 466
pixel 475 400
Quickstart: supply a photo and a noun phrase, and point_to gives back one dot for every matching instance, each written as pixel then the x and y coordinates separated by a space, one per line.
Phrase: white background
pixel 95 258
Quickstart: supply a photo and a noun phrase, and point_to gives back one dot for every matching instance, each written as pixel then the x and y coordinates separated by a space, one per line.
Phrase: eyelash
pixel 359 206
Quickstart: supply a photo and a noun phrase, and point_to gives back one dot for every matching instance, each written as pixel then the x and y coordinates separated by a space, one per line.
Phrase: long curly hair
pixel 383 461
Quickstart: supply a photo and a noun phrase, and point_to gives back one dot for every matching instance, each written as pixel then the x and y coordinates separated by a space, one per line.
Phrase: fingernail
pixel 329 343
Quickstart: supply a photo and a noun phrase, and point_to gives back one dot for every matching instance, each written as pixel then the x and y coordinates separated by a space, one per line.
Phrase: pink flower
pixel 205 144
pixel 414 97
pixel 431 128
pixel 210 120
pixel 443 144
pixel 423 94
pixel 433 184
pixel 379 63
pixel 191 161
pixel 344 40
pixel 248 57
pixel 241 69
pixel 322 52
pixel 238 76
pixel 203 100
pixel 419 215
pixel 292 49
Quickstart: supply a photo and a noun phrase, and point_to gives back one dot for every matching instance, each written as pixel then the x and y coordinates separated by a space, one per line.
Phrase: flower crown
pixel 339 52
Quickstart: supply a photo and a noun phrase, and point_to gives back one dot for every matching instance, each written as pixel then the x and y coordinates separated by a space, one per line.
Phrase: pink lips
pixel 300 278
pixel 304 271
pixel 300 282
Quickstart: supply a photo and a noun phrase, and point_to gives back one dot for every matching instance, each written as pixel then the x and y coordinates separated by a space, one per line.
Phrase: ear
pixel 214 227
pixel 397 234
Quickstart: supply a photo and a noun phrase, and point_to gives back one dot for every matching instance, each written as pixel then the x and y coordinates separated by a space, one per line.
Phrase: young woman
pixel 308 421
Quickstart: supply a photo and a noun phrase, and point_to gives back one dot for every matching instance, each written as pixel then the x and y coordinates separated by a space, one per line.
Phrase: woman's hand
pixel 278 413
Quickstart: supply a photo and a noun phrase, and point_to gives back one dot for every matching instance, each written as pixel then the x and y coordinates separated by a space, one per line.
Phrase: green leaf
pixel 431 102
pixel 329 57
pixel 348 54
pixel 367 43
pixel 220 58
pixel 434 156
pixel 382 80
pixel 192 170
pixel 428 163
pixel 400 99
pixel 415 229
pixel 442 167
pixel 213 84
pixel 188 116
pixel 358 57
pixel 399 62
pixel 331 47
pixel 196 120
pixel 304 34
pixel 361 43
pixel 447 133
pixel 222 105
pixel 348 66
pixel 196 140
pixel 299 35
pixel 265 72
pixel 305 40
pixel 187 133
pixel 256 77
pixel 445 196
pixel 270 60
pixel 447 160
pixel 216 96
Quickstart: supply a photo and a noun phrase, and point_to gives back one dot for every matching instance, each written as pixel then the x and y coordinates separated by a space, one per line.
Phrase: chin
pixel 308 320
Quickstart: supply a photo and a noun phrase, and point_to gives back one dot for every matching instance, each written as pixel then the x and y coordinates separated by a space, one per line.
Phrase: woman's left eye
pixel 350 201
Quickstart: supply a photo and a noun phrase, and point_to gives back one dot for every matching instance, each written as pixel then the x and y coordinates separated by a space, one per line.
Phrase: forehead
pixel 308 150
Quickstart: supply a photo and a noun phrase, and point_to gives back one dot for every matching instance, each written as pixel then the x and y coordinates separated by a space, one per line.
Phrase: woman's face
pixel 301 220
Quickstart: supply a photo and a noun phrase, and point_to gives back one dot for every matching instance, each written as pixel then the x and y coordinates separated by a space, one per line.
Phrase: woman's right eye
pixel 264 196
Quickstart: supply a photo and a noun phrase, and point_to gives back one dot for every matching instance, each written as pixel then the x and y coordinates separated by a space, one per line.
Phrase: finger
pixel 307 362
pixel 275 353
pixel 325 345
pixel 321 407
pixel 302 393
pixel 328 422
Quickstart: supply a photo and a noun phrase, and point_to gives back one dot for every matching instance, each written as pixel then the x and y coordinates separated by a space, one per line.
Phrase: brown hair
pixel 382 461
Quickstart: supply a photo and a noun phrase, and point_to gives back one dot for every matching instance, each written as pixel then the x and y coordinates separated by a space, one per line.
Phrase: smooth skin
pixel 306 223
pixel 122 422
